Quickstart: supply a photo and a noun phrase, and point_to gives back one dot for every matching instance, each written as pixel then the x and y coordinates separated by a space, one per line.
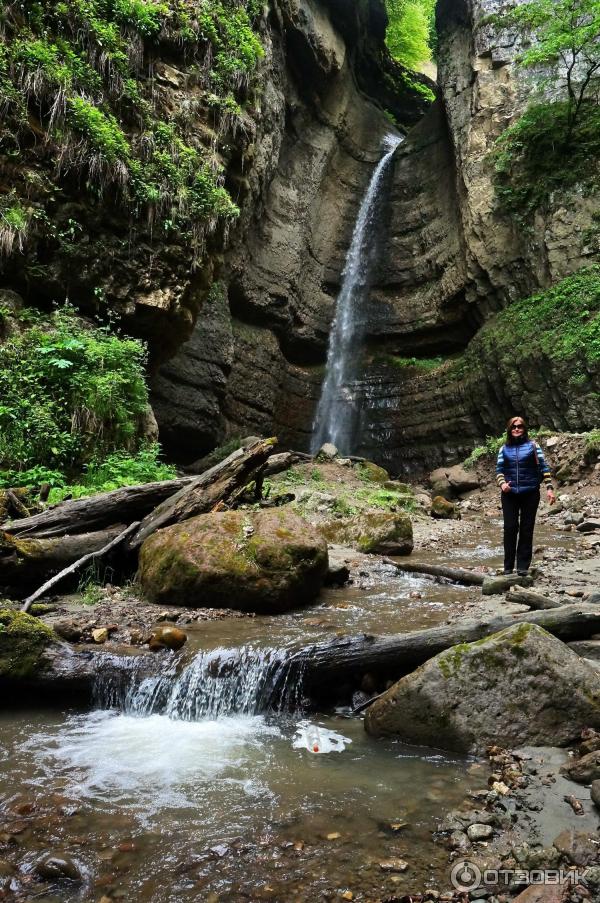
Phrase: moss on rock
pixel 264 561
pixel 23 640
pixel 373 531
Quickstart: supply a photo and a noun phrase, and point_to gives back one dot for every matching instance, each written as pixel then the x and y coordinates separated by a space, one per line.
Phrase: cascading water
pixel 338 411
pixel 215 684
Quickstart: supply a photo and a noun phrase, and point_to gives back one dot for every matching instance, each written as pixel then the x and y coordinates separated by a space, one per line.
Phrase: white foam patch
pixel 123 754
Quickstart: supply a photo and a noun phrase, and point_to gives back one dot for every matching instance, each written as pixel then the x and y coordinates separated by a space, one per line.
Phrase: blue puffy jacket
pixel 522 464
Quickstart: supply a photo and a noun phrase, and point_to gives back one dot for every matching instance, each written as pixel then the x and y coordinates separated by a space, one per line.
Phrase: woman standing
pixel 520 469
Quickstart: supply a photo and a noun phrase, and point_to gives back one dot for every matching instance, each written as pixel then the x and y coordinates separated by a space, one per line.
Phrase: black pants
pixel 519 510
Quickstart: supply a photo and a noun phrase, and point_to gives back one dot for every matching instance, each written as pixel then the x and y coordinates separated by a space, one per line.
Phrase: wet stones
pixel 57 867
pixel 167 636
pixel 443 509
pixel 479 832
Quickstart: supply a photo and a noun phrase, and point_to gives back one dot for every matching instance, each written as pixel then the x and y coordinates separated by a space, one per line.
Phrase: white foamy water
pixel 161 761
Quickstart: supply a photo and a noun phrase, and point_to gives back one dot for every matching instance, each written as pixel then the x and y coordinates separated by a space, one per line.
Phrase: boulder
pixel 519 686
pixel 380 532
pixel 327 452
pixel 167 636
pixel 372 472
pixel 452 482
pixel 443 509
pixel 260 561
pixel 23 640
pixel 595 793
pixel 585 770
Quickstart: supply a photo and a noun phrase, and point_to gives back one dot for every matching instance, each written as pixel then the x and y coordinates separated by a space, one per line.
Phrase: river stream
pixel 178 787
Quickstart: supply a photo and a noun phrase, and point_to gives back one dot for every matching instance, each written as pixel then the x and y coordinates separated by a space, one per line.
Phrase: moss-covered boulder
pixel 23 640
pixel 367 470
pixel 259 561
pixel 518 686
pixel 381 532
pixel 443 509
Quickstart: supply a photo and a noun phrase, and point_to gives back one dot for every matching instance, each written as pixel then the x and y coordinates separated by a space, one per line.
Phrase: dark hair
pixel 511 420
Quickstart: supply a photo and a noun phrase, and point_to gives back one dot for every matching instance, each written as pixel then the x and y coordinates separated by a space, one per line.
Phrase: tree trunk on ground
pixel 457 575
pixel 538 601
pixel 328 664
pixel 98 511
pixel 95 555
pixel 323 669
pixel 33 556
pixel 219 485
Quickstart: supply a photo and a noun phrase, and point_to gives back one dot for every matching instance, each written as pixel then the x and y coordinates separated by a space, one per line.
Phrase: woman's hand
pixel 551 496
pixel 505 487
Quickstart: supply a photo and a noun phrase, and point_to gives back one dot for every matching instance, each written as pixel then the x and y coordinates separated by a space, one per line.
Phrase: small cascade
pixel 338 412
pixel 215 684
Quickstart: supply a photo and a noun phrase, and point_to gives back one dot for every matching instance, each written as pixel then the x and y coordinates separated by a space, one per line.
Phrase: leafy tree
pixel 409 31
pixel 567 33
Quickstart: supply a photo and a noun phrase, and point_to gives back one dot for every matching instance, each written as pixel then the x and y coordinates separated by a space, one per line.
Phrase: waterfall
pixel 338 411
pixel 241 681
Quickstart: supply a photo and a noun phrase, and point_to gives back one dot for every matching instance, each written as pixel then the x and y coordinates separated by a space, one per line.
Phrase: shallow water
pixel 173 810
pixel 210 806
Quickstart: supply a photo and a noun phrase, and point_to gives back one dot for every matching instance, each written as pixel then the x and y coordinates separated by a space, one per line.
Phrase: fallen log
pixel 537 601
pixel 98 511
pixel 323 669
pixel 324 666
pixel 32 556
pixel 216 486
pixel 456 575
pixel 77 565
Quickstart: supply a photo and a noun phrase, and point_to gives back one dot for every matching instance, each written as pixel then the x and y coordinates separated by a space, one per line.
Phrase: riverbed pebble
pixel 479 832
pixel 393 865
pixel 57 866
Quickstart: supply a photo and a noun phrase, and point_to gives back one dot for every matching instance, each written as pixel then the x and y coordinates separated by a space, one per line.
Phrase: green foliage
pixel 560 323
pixel 79 71
pixel 68 392
pixel 419 363
pixel 555 143
pixel 114 471
pixel 410 30
pixel 591 449
pixel 490 448
pixel 535 156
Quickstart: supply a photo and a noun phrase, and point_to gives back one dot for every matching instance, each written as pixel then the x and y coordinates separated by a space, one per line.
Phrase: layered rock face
pixel 453 259
pixel 449 261
pixel 249 363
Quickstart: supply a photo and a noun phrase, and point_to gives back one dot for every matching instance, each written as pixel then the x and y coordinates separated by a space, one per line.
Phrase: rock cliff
pixel 450 261
pixel 238 327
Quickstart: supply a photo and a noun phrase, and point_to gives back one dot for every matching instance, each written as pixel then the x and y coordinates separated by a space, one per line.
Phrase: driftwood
pixel 121 506
pixel 325 665
pixel 456 575
pixel 538 601
pixel 77 565
pixel 30 556
pixel 213 488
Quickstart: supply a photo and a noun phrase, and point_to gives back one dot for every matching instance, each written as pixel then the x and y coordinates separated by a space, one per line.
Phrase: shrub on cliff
pixel 556 143
pixel 80 77
pixel 70 394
